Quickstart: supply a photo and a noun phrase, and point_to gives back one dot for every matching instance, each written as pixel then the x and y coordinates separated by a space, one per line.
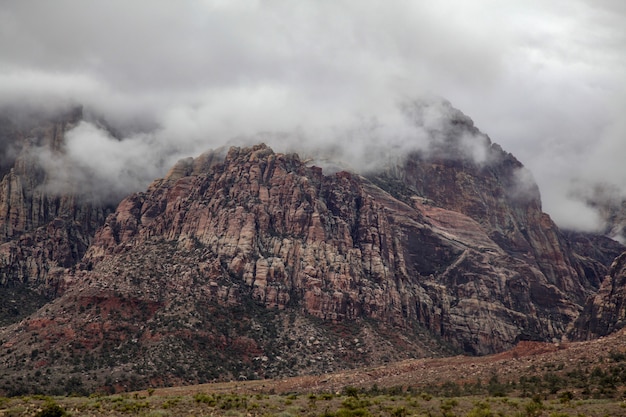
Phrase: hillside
pixel 568 379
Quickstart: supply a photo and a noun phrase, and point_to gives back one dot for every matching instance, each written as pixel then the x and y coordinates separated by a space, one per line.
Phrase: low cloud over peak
pixel 545 80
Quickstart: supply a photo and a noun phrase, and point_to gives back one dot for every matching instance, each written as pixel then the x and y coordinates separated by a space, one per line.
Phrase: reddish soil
pixel 526 359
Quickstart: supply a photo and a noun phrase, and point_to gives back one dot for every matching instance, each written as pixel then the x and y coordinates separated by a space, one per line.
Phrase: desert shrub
pixel 448 404
pixel 352 403
pixel 158 413
pixel 481 409
pixel 359 412
pixel 535 407
pixel 201 397
pixel 351 391
pixel 170 403
pixel 399 412
pixel 233 401
pixel 450 389
pixel 566 396
pixel 131 407
pixel 51 409
pixel 495 388
pixel 553 382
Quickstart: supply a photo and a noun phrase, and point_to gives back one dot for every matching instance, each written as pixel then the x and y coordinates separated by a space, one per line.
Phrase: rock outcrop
pixel 340 248
pixel 42 232
pixel 605 312
pixel 254 263
pixel 496 191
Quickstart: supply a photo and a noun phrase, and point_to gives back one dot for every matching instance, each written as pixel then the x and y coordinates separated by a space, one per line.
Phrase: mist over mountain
pixel 610 204
pixel 422 238
pixel 98 162
pixel 260 189
pixel 545 80
pixel 105 160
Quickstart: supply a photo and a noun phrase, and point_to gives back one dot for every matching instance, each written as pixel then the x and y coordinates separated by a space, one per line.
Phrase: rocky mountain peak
pixel 246 253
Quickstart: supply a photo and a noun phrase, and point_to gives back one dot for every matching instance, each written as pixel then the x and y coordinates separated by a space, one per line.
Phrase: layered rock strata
pixel 605 312
pixel 264 227
pixel 43 232
pixel 212 266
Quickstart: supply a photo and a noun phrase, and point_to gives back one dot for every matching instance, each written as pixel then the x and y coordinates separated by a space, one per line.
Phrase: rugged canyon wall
pixel 253 263
pixel 605 312
pixel 43 232
pixel 339 247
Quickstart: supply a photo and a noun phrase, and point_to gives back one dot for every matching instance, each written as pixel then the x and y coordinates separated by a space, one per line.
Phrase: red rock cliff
pixel 339 247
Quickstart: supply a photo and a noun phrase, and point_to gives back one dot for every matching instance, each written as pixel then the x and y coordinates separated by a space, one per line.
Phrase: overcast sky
pixel 544 79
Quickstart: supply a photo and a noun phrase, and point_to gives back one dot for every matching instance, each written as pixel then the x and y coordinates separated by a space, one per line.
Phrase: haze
pixel 546 80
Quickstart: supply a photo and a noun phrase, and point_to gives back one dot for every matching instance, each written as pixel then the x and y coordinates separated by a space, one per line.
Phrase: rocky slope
pixel 253 263
pixel 605 312
pixel 340 248
pixel 42 232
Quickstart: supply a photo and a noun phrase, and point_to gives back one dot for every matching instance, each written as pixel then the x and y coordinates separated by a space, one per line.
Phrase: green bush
pixel 51 409
pixel 351 391
pixel 481 409
pixel 535 407
pixel 201 397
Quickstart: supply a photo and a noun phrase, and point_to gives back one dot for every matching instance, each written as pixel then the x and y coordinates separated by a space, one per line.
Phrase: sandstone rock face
pixel 497 192
pixel 254 263
pixel 472 268
pixel 592 254
pixel 605 312
pixel 42 233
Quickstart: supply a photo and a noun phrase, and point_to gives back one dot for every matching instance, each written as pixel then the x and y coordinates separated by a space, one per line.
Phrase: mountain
pixel 605 312
pixel 42 232
pixel 615 217
pixel 249 263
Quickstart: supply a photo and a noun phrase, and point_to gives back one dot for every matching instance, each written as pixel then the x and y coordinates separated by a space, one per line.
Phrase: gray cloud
pixel 544 79
pixel 99 166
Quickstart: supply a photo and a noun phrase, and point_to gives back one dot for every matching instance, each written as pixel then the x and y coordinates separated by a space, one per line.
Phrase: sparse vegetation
pixel 51 409
pixel 358 402
pixel 594 387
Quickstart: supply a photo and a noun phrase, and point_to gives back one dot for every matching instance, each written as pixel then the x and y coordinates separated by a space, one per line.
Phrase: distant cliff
pixel 605 312
pixel 42 232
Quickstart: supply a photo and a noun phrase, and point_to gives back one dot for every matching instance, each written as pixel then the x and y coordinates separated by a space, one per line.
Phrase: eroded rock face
pixel 498 193
pixel 605 312
pixel 42 232
pixel 592 254
pixel 207 273
pixel 264 227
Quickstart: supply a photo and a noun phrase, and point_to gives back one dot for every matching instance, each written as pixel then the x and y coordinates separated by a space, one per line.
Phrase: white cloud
pixel 544 79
